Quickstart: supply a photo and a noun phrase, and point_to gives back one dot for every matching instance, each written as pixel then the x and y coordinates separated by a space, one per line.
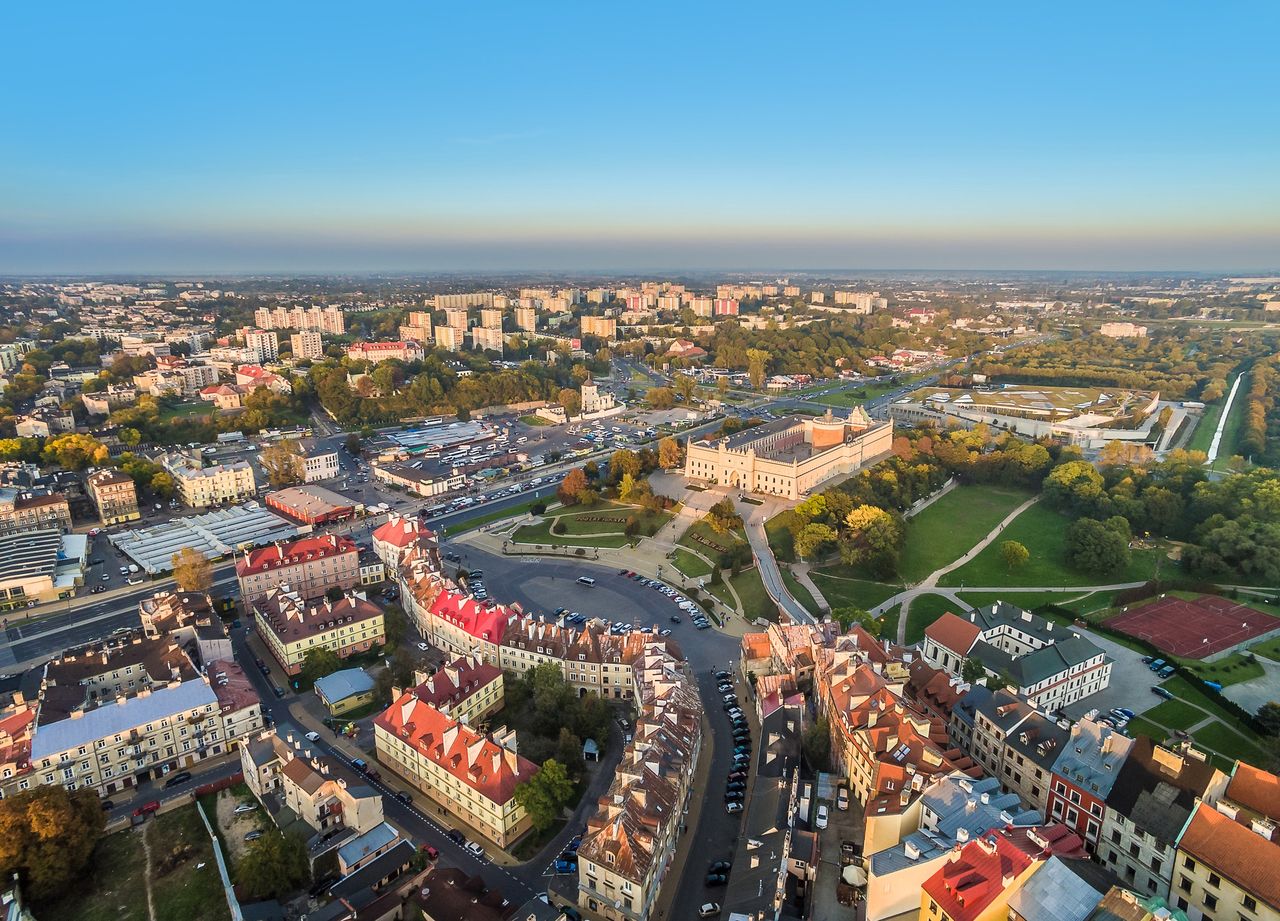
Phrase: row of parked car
pixel 695 613
pixel 736 782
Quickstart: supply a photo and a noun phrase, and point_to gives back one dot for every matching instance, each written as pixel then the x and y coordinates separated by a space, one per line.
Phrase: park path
pixel 1216 444
pixel 802 573
pixel 930 581
pixel 146 877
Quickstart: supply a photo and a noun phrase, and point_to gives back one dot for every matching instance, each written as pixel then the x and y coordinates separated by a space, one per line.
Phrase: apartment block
pixel 1018 745
pixel 604 327
pixel 726 307
pixel 395 537
pixel 291 626
pixel 307 345
pixel 463 301
pixel 201 487
pixel 322 319
pixel 21 512
pixel 309 567
pixel 527 319
pixel 450 338
pixel 262 346
pixel 457 318
pixel 487 338
pixel 417 326
pixel 114 496
pixel 491 318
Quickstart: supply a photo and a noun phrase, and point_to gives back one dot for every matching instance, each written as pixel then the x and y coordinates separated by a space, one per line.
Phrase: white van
pixel 586 580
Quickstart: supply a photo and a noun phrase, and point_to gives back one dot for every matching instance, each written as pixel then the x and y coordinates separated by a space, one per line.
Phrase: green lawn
pixel 1140 726
pixel 755 600
pixel 950 526
pixel 1270 649
pixel 580 532
pixel 800 593
pixel 1228 742
pixel 1043 531
pixel 843 592
pixel 534 420
pixel 692 566
pixel 1174 714
pixel 1230 670
pixel 540 533
pixel 1026 600
pixel 889 622
pixel 721 543
pixel 169 412
pixel 780 539
pixel 721 591
pixel 925 609
pixel 113 887
pixel 855 396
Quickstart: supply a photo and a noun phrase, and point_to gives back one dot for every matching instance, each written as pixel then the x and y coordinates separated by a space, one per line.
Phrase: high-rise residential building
pixel 491 318
pixel 702 306
pixel 307 344
pixel 597 296
pixel 456 317
pixel 527 319
pixel 726 307
pixel 669 302
pixel 463 301
pixel 261 346
pixel 114 495
pixel 323 319
pixel 449 337
pixel 417 326
pixel 604 327
pixel 791 291
pixel 817 297
pixel 484 337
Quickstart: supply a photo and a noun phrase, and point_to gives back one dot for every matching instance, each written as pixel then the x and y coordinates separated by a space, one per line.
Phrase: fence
pixel 230 891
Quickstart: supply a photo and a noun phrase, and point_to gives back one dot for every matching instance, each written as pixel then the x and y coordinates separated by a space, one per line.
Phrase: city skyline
pixel 1137 139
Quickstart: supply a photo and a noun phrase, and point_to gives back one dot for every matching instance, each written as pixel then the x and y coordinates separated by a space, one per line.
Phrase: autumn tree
pixel 283 462
pixel 757 362
pixel 626 486
pixel 812 538
pixel 545 794
pixel 192 571
pixel 47 836
pixel 75 452
pixel 570 400
pixel 685 387
pixel 670 454
pixel 623 461
pixel 1014 554
pixel 573 487
pixel 661 397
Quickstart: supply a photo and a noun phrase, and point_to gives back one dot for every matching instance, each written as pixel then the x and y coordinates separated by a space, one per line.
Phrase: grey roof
pixel 1055 893
pixel 1044 663
pixel 739 440
pixel 111 718
pixel 214 534
pixel 344 683
pixel 354 885
pixel 1040 739
pixel 374 839
pixel 1084 762
pixel 958 807
pixel 975 697
pixel 29 553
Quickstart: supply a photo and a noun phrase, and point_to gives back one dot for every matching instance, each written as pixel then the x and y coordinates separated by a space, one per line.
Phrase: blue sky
pixel 420 136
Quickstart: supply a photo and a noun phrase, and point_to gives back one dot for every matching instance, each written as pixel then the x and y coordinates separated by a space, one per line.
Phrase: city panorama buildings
pixel 790 456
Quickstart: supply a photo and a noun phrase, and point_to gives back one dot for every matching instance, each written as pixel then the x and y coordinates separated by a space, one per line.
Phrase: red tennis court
pixel 1195 628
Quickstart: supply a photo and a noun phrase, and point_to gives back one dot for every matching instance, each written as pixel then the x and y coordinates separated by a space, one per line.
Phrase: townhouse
pixel 1018 745
pixel 465 689
pixel 291 626
pixel 309 566
pixel 1151 800
pixel 22 511
pixel 114 496
pixel 1227 862
pixel 1083 776
pixel 201 487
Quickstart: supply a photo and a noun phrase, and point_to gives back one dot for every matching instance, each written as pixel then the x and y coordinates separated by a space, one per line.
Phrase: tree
pixel 394 624
pixel 1014 554
pixel 812 538
pixel 685 387
pixel 757 362
pixel 283 463
pixel 573 487
pixel 570 400
pixel 47 836
pixel 670 454
pixel 623 461
pixel 319 662
pixel 1269 717
pixel 815 744
pixel 848 616
pixel 661 397
pixel 972 671
pixel 1100 548
pixel 545 794
pixel 75 452
pixel 163 485
pixel 192 571
pixel 352 444
pixel 399 674
pixel 1075 486
pixel 625 488
pixel 273 865
pixel 723 517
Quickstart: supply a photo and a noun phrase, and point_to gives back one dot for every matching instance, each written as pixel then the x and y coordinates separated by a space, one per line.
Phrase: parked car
pixel 475 849
pixel 716 879
pixel 147 808
pixel 312 737
pixel 709 910
pixel 174 779
pixel 432 853
pixel 404 797
pixel 566 865
pixel 733 808
pixel 720 866
pixel 456 836
pixel 245 807
pixel 253 835
pixel 735 786
pixel 1161 692
pixel 823 816
pixel 842 800
pixel 107 805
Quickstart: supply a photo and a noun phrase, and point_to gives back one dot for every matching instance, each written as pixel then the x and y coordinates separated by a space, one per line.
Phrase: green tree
pixel 846 617
pixel 757 365
pixel 1075 486
pixel 815 744
pixel 813 538
pixel 395 624
pixel 685 387
pixel 75 452
pixel 273 865
pixel 47 836
pixel 399 674
pixel 1269 717
pixel 353 444
pixel 1097 547
pixel 972 671
pixel 283 463
pixel 1014 554
pixel 319 662
pixel 661 397
pixel 570 400
pixel 545 794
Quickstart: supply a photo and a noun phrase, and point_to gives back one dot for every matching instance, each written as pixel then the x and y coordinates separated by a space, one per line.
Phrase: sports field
pixel 1195 627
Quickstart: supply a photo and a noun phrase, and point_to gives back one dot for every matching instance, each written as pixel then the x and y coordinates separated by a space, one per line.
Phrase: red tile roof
pixel 474 759
pixel 972 879
pixel 1235 851
pixel 487 623
pixel 401 532
pixel 953 632
pixel 456 681
pixel 295 552
pixel 1255 789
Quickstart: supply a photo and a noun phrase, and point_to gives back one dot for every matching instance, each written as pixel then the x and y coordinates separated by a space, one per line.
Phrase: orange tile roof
pixel 401 532
pixel 969 882
pixel 953 632
pixel 474 759
pixel 1255 789
pixel 1236 851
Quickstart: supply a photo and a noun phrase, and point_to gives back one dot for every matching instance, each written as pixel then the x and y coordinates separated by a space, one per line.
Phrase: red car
pixel 431 852
pixel 146 809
